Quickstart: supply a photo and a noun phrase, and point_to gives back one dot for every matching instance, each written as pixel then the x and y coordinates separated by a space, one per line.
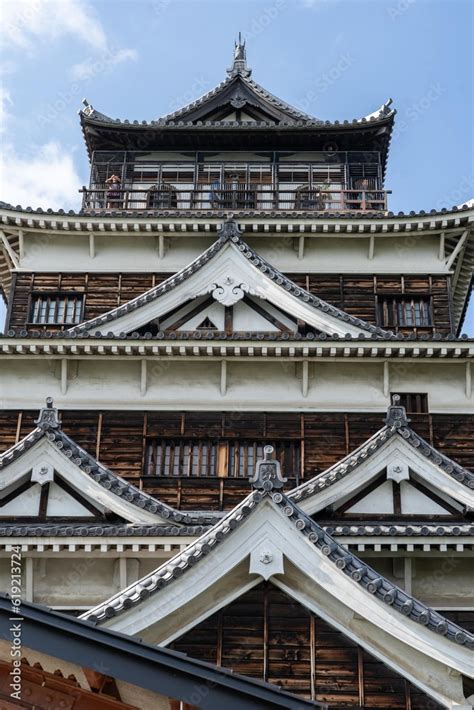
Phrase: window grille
pixel 56 309
pixel 405 312
pixel 232 458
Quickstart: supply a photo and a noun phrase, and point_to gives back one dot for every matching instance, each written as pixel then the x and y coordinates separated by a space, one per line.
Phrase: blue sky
pixel 335 59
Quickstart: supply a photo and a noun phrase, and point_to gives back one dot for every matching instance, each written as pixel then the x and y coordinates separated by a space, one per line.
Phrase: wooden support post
pixel 442 252
pixel 92 245
pixel 223 377
pixel 29 583
pixel 63 376
pixel 123 581
pixel 407 574
pixel 304 378
pixel 468 380
pixel 386 379
pixel 21 244
pixel 457 249
pixel 371 247
pixel 8 248
pixel 161 246
pixel 143 377
pixel 301 247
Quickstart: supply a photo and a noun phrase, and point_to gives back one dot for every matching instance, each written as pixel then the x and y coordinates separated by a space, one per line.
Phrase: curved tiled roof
pixel 349 564
pixel 296 116
pixel 397 529
pixel 346 529
pixel 101 529
pixel 395 426
pixel 48 426
pixel 230 232
pixel 246 214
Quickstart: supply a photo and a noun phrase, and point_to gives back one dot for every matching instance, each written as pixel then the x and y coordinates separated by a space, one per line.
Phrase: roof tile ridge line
pixel 437 457
pixel 364 575
pixel 24 444
pixel 153 293
pixel 195 550
pixel 279 102
pixel 197 102
pixel 380 437
pixel 150 503
pixel 396 527
pixel 318 303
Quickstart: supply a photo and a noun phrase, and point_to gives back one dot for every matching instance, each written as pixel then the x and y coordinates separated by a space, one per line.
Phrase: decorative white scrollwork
pixel 228 291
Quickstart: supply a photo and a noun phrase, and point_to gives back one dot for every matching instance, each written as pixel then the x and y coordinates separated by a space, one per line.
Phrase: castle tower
pixel 255 438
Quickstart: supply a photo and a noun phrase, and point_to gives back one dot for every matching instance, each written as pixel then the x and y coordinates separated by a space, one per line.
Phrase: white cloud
pixel 26 21
pixel 5 103
pixel 44 178
pixel 92 67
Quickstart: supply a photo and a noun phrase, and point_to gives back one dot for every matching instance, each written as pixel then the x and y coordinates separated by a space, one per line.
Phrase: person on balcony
pixel 215 194
pixel 114 191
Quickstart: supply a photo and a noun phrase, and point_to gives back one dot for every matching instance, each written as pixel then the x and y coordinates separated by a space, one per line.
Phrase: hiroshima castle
pixel 237 423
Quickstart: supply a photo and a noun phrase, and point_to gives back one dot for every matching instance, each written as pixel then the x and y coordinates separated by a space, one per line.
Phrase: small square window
pixel 405 312
pixel 56 309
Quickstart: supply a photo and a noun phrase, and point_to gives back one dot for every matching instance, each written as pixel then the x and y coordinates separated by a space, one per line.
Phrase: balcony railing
pixel 235 197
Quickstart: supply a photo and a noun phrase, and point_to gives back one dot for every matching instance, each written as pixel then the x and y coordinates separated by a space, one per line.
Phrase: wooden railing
pixel 254 196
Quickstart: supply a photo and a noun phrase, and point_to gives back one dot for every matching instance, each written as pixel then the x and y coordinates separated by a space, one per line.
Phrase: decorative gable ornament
pixel 398 471
pixel 267 474
pixel 396 414
pixel 228 291
pixel 42 473
pixel 266 560
pixel 48 417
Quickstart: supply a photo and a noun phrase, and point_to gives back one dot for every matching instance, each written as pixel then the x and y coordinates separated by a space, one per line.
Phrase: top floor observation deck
pixel 342 181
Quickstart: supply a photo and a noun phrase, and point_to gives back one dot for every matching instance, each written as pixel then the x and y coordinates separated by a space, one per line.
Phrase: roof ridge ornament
pixel 239 65
pixel 396 414
pixel 267 474
pixel 48 417
pixel 229 230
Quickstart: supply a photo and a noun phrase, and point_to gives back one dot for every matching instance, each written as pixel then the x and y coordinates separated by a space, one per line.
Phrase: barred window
pixel 414 402
pixel 405 311
pixel 56 309
pixel 216 458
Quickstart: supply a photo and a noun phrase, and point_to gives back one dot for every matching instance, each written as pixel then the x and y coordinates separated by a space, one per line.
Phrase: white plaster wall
pixel 444 582
pixel 75 581
pixel 135 252
pixel 251 385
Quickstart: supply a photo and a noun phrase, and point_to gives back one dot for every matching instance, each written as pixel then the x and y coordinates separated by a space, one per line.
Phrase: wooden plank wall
pixel 266 634
pixel 118 439
pixel 353 293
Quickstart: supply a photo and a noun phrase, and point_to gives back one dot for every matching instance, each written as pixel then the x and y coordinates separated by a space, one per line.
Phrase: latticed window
pixel 225 459
pixel 405 312
pixel 57 309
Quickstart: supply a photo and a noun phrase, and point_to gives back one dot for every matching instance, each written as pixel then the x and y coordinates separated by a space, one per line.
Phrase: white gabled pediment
pixel 229 272
pixel 402 464
pixel 379 501
pixel 272 539
pixel 62 504
pixel 25 504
